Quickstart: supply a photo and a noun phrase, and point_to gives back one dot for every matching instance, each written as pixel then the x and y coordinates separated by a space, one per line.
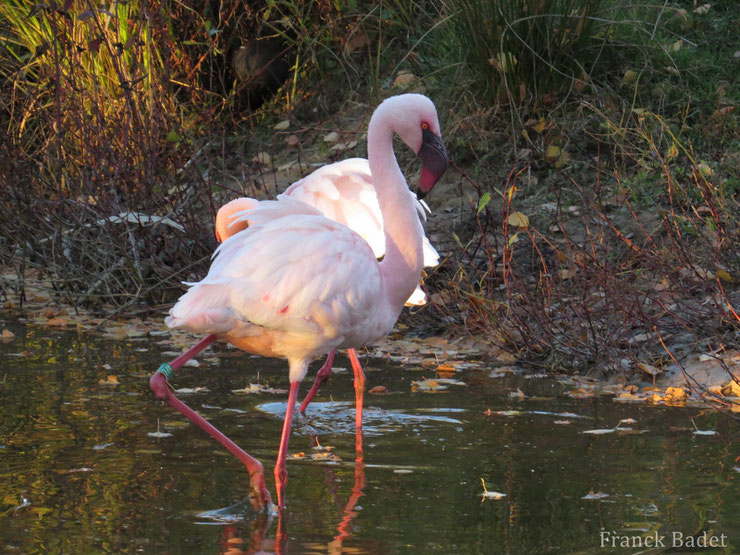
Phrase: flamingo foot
pixel 281 470
pixel 322 376
pixel 259 496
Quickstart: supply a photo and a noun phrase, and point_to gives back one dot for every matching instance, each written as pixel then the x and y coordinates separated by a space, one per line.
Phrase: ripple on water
pixel 339 418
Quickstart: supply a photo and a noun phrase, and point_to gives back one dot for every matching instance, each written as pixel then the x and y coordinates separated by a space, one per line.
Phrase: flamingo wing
pixel 343 192
pixel 292 271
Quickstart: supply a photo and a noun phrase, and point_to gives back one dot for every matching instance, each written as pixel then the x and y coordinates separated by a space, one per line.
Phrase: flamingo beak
pixel 434 161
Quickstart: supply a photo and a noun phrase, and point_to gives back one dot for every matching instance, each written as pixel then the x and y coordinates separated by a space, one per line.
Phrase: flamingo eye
pixel 424 126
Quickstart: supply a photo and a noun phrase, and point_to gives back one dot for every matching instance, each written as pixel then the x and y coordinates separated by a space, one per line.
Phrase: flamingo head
pixel 414 118
pixel 224 226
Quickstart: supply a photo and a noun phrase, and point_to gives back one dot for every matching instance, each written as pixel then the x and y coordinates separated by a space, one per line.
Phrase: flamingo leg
pixel 281 471
pixel 259 496
pixel 322 376
pixel 359 385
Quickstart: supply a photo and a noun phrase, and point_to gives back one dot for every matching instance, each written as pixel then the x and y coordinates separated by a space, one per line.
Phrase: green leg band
pixel 167 370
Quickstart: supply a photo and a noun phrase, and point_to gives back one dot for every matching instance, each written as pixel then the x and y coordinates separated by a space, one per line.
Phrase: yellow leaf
pixel 630 76
pixel 675 394
pixel 517 219
pixel 731 389
pixel 672 152
pixel 512 240
pixel 724 276
pixel 282 125
pixel 552 154
pixel 560 162
pixel 110 380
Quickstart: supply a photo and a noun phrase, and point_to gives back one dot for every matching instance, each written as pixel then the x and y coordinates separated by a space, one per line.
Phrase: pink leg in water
pixel 281 471
pixel 259 496
pixel 322 376
pixel 359 385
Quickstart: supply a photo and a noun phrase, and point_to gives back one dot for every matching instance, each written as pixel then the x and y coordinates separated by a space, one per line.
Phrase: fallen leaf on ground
pixel 580 393
pixel 110 380
pixel 517 219
pixel 731 389
pixel 281 126
pixel 262 158
pixel 675 394
pixel 57 322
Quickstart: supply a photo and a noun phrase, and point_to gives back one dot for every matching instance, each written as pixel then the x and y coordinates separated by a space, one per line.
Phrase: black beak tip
pixel 434 162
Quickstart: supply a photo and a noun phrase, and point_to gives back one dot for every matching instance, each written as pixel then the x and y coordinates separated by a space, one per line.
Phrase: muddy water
pixel 79 472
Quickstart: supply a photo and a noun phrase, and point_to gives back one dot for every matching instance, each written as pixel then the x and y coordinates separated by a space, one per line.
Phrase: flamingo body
pixel 308 288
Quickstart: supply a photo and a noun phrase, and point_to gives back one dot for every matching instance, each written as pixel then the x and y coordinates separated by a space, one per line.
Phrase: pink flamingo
pixel 343 192
pixel 297 285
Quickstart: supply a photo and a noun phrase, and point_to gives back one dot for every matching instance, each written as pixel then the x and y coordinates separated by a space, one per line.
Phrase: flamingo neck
pixel 402 263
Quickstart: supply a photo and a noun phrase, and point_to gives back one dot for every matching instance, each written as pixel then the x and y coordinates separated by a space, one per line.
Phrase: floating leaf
pixel 378 389
pixel 7 336
pixel 597 495
pixel 495 495
pixel 110 380
pixel 518 394
pixel 191 390
pixel 257 388
pixel 159 434
pixel 600 431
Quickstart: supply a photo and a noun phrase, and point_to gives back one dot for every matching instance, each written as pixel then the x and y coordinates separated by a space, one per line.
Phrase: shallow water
pixel 79 474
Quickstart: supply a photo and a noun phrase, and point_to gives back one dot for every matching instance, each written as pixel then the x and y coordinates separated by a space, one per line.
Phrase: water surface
pixel 80 474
